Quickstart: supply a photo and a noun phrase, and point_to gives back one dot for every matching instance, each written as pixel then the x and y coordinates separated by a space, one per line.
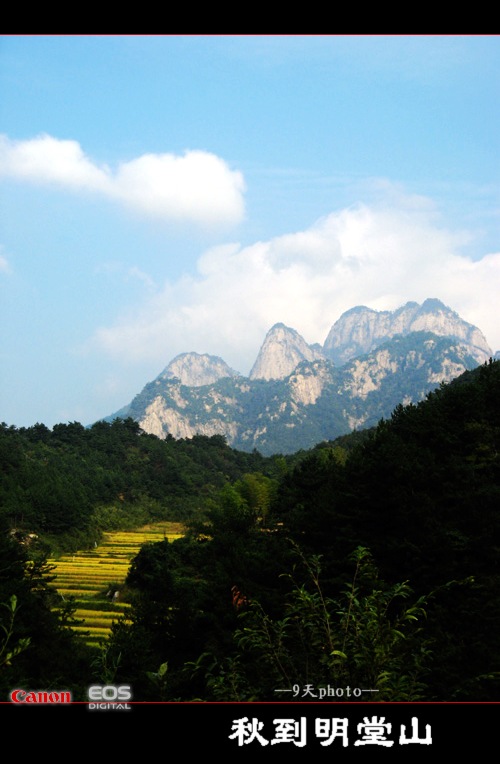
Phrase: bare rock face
pixel 368 373
pixel 195 370
pixel 361 330
pixel 281 352
pixel 160 419
pixel 308 382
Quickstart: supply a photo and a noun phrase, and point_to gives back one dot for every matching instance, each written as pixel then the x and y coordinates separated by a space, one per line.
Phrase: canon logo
pixel 38 696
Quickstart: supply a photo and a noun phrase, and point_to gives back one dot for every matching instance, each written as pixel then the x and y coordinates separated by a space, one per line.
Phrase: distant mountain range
pixel 297 394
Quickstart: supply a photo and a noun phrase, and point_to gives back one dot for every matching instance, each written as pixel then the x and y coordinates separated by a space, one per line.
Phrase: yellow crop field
pixel 93 579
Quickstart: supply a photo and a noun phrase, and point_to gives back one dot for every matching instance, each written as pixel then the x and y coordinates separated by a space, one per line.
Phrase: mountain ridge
pixel 361 329
pixel 297 394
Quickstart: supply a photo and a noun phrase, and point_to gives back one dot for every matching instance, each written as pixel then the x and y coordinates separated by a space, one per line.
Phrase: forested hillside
pixel 72 482
pixel 370 562
pixel 423 493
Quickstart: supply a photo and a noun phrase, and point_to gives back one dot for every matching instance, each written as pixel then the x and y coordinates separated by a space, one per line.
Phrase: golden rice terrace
pixel 93 579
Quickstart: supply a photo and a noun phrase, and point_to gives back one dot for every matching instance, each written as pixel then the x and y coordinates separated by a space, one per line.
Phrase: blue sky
pixel 168 194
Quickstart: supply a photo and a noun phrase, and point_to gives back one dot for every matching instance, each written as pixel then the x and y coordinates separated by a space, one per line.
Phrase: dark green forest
pixel 369 563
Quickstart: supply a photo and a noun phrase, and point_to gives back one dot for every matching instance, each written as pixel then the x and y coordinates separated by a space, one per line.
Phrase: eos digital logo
pixel 109 697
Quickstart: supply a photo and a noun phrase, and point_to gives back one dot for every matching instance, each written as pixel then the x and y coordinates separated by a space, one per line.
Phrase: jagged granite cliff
pixel 196 370
pixel 298 394
pixel 362 329
pixel 282 351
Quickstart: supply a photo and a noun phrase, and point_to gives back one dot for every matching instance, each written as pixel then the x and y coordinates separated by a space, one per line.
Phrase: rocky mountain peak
pixel 361 329
pixel 281 352
pixel 196 370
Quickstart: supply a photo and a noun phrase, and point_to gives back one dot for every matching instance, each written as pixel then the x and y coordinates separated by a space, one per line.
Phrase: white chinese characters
pixel 374 731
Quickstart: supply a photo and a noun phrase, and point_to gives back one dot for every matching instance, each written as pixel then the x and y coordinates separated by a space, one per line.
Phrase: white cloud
pixel 145 278
pixel 4 263
pixel 379 256
pixel 48 160
pixel 197 187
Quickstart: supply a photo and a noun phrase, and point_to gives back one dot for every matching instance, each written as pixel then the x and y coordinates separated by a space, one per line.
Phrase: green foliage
pixel 422 492
pixel 71 483
pixel 105 665
pixel 8 651
pixel 258 492
pixel 371 638
pixel 151 571
pixel 38 647
pixel 160 681
pixel 230 515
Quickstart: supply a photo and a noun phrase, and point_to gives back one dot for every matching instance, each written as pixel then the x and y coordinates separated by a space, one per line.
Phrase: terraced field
pixel 93 578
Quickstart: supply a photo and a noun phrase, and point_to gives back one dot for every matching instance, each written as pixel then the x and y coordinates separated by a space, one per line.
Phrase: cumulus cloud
pixel 379 256
pixel 197 187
